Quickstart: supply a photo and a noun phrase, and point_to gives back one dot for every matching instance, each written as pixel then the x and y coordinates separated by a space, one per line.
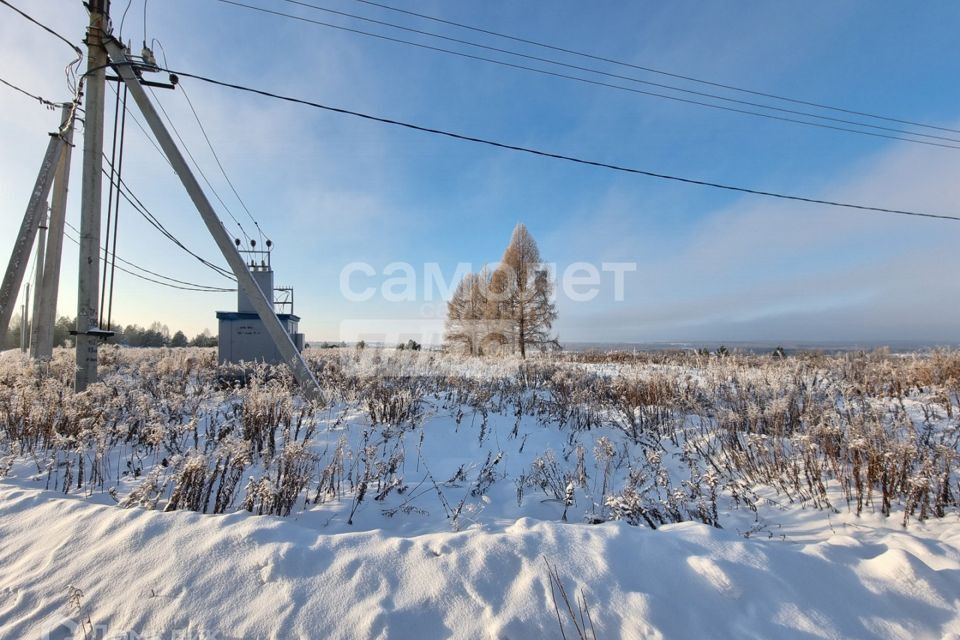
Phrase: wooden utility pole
pixel 98 33
pixel 45 305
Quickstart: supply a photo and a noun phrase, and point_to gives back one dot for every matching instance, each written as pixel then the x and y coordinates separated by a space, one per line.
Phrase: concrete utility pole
pixel 245 279
pixel 17 267
pixel 45 305
pixel 24 313
pixel 90 194
pixel 38 275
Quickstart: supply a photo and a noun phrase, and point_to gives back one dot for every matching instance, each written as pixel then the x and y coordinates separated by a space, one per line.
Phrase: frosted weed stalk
pixel 579 618
pixel 647 438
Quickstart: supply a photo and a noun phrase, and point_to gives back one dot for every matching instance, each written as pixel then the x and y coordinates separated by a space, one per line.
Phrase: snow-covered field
pixel 432 496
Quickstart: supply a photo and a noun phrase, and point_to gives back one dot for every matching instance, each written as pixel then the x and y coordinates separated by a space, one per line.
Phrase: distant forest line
pixel 131 335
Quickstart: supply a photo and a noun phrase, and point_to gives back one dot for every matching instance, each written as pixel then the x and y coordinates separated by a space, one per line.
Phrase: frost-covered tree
pixel 541 313
pixel 466 313
pixel 521 293
pixel 204 339
pixel 509 308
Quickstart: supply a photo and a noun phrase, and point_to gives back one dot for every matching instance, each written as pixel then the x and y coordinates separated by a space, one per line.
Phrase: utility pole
pixel 38 276
pixel 24 312
pixel 17 267
pixel 245 280
pixel 98 33
pixel 45 307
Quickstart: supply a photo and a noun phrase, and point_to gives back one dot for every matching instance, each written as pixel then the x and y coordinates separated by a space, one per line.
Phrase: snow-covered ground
pixel 438 497
pixel 237 575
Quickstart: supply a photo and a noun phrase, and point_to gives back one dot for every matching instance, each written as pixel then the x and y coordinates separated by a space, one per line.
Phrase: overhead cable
pixel 567 158
pixel 174 283
pixel 610 85
pixel 653 70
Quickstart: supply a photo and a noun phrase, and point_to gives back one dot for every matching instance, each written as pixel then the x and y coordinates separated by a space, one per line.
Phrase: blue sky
pixel 712 265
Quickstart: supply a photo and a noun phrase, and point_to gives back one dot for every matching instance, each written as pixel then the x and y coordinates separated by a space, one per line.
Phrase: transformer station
pixel 243 336
pixel 255 332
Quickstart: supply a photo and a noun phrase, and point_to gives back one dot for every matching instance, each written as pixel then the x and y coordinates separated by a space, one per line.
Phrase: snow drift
pixel 150 574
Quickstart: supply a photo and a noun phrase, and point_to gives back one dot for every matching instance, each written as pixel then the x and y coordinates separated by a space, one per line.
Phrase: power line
pixel 143 129
pixel 116 164
pixel 69 70
pixel 197 164
pixel 557 156
pixel 40 99
pixel 189 286
pixel 599 83
pixel 651 69
pixel 220 164
pixel 68 121
pixel 75 48
pixel 145 22
pixel 594 71
pixel 123 19
pixel 145 270
pixel 140 208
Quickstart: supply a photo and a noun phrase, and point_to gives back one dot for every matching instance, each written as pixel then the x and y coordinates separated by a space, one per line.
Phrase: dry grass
pixel 881 428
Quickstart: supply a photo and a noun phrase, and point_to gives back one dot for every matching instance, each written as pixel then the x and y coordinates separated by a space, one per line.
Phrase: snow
pixel 462 546
pixel 237 575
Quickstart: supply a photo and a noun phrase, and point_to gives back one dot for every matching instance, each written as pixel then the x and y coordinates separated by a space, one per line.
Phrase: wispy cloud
pixel 795 271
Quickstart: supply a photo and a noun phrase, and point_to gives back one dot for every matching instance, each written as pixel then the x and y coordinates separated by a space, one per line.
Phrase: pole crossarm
pixel 245 280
